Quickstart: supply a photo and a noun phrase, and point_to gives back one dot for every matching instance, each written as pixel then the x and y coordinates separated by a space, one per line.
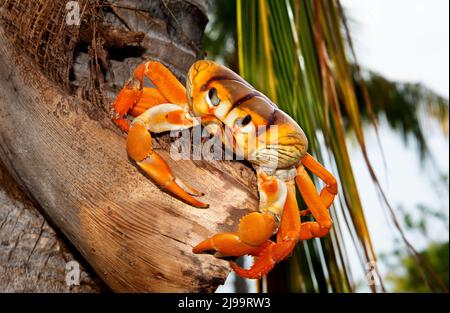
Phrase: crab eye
pixel 245 124
pixel 212 94
pixel 244 121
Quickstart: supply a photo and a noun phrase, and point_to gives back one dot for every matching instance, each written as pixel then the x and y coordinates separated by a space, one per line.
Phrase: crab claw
pixel 139 147
pixel 287 237
pixel 224 245
pixel 254 231
pixel 266 259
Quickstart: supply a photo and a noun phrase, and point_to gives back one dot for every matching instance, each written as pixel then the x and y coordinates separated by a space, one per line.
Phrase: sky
pixel 404 40
pixel 408 41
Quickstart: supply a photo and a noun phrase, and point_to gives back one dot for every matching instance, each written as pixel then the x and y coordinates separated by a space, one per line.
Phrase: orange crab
pixel 222 99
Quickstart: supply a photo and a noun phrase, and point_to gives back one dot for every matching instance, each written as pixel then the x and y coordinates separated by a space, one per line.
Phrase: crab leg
pixel 331 189
pixel 316 205
pixel 150 98
pixel 139 147
pixel 166 83
pixel 159 109
pixel 126 99
pixel 287 238
pixel 291 228
pixel 166 117
pixel 254 229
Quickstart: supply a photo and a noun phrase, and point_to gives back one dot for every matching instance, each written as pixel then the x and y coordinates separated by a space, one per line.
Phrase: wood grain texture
pixel 74 164
pixel 33 257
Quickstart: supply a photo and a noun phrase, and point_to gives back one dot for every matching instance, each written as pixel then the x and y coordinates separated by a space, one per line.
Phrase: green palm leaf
pixel 291 72
pixel 300 54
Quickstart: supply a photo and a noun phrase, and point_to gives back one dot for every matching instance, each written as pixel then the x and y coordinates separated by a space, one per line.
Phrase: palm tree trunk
pixel 33 255
pixel 68 156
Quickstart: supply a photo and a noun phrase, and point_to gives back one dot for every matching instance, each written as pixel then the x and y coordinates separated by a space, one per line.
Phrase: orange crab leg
pixel 316 205
pixel 154 114
pixel 329 192
pixel 126 99
pixel 331 189
pixel 254 230
pixel 291 228
pixel 150 98
pixel 139 147
pixel 287 238
pixel 169 89
pixel 166 83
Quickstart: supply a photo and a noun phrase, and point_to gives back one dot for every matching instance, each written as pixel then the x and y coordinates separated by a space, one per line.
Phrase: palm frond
pixel 300 53
pixel 297 53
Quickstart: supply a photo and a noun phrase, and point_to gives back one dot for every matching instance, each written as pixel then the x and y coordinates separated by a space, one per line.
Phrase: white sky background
pixel 404 40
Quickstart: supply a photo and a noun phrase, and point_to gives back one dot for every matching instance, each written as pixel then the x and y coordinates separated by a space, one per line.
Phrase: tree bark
pixel 33 257
pixel 68 156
